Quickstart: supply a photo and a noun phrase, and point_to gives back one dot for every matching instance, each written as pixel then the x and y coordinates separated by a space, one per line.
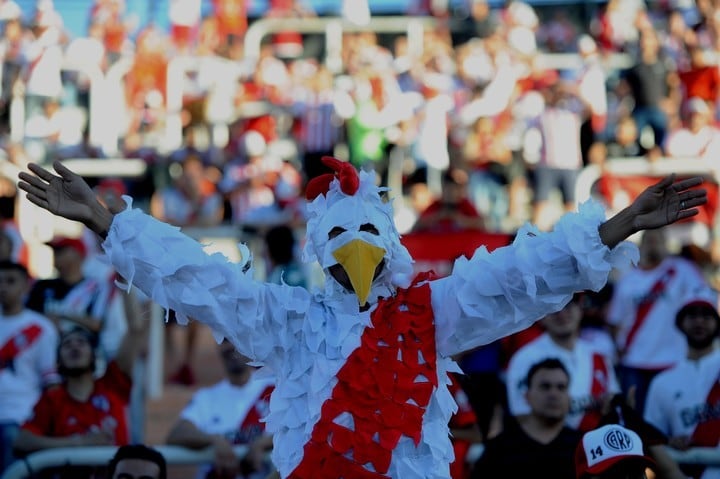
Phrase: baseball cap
pixel 603 448
pixel 61 242
pixel 697 105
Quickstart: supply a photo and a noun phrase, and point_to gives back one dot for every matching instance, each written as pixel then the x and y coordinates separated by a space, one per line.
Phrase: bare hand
pixel 226 464
pixel 66 195
pixel 668 201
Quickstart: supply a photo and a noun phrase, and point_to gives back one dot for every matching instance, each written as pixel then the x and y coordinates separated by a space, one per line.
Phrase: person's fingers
pixel 688 183
pixel 63 170
pixel 42 203
pixel 687 213
pixel 665 182
pixel 33 179
pixel 41 172
pixel 33 190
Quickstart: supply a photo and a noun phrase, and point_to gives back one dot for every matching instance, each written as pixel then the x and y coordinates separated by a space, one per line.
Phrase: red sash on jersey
pixel 591 419
pixel 17 344
pixel 707 430
pixel 252 426
pixel 647 303
pixel 375 386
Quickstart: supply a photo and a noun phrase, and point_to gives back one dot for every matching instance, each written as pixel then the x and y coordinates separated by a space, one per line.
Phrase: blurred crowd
pixel 470 127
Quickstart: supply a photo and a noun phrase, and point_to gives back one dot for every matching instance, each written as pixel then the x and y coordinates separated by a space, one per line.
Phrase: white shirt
pixel 24 372
pixel 677 400
pixel 585 365
pixel 657 344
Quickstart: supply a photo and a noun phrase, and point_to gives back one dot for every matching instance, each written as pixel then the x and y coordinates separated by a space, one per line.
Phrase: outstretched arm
pixel 659 205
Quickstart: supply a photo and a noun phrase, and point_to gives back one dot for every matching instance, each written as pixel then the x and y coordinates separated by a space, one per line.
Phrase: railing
pixel 175 456
pixel 101 455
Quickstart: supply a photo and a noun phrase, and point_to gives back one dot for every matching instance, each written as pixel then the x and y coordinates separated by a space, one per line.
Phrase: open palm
pixel 667 202
pixel 66 195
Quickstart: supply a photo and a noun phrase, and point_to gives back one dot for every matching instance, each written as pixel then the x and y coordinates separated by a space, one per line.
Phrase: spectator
pixel 652 84
pixel 681 400
pixel 44 57
pixel 625 142
pixel 612 451
pixel 592 91
pixel 71 299
pixel 699 138
pixel 137 461
pixel 227 414
pixel 11 54
pixel 701 79
pixel 642 313
pixel 84 410
pixel 560 155
pixel 27 356
pixel 453 211
pixel 592 377
pixel 540 441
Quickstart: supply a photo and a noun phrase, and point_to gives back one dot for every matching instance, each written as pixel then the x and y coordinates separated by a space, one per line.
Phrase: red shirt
pixel 701 83
pixel 57 414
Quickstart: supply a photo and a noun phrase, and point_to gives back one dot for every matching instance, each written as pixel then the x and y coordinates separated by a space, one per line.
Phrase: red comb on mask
pixel 344 172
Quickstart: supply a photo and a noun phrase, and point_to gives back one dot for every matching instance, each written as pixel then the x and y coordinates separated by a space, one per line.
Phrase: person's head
pixel 14 285
pixel 698 113
pixel 352 234
pixel 626 132
pixel 653 247
pixel 698 319
pixel 611 452
pixel 565 323
pixel 454 186
pixel 136 461
pixel 236 365
pixel 547 390
pixel 68 255
pixel 76 352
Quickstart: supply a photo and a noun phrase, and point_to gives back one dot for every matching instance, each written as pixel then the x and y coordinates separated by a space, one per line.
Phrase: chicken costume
pixel 362 392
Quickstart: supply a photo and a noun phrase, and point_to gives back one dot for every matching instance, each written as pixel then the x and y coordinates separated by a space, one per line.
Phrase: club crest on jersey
pixel 100 403
pixel 618 440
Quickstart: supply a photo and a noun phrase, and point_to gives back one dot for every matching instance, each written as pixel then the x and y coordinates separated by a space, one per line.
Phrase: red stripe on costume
pixel 385 387
pixel 647 303
pixel 599 387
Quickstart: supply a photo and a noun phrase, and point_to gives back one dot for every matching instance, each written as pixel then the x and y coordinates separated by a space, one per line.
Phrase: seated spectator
pixel 698 138
pixel 592 378
pixel 611 451
pixel 453 211
pixel 682 402
pixel 137 462
pixel 539 443
pixel 625 142
pixel 227 414
pixel 84 410
pixel 27 356
pixel 72 298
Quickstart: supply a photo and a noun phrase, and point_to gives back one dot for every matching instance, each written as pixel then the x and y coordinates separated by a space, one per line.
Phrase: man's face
pixel 700 327
pixel 66 259
pixel 13 286
pixel 235 363
pixel 547 394
pixel 565 322
pixel 76 354
pixel 136 469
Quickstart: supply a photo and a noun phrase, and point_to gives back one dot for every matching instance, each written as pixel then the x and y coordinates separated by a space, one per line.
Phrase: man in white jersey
pixel 592 378
pixel 684 402
pixel 642 312
pixel 28 342
pixel 226 414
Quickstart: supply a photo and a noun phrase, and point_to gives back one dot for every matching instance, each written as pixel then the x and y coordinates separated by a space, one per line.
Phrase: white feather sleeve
pixel 495 294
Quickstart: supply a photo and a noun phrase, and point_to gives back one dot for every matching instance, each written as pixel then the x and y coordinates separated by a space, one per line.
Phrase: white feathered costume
pixel 362 393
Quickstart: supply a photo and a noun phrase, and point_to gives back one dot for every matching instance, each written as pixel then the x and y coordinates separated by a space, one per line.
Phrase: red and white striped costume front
pixel 365 393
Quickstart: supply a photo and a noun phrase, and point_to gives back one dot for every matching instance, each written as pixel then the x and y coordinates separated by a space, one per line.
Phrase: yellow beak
pixel 359 260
